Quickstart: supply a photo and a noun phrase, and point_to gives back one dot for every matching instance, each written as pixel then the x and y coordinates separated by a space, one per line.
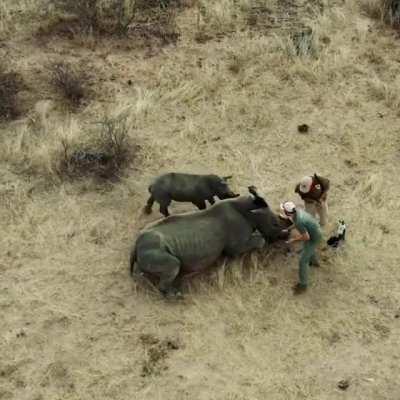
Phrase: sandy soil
pixel 74 325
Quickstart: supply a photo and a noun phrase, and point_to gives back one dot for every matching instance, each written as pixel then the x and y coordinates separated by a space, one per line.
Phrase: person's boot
pixel 299 289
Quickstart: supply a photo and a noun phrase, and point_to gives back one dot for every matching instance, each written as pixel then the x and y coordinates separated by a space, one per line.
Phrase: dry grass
pixel 386 92
pixel 15 16
pixel 74 325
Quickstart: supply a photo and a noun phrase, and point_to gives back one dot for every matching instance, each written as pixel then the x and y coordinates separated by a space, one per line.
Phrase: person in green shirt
pixel 310 233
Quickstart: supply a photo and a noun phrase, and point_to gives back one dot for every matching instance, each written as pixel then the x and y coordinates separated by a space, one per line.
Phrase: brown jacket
pixel 318 191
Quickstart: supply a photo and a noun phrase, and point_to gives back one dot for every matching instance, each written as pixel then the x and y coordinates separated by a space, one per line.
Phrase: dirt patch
pixel 11 83
pixel 7 370
pixel 147 339
pixel 58 375
pixel 382 330
pixel 157 351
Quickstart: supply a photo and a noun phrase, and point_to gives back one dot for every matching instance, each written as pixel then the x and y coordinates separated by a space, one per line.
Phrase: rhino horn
pixel 225 178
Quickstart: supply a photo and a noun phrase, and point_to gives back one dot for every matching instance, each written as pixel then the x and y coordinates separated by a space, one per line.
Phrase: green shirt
pixel 305 222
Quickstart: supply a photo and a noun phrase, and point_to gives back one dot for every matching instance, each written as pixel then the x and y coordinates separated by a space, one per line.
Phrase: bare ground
pixel 73 323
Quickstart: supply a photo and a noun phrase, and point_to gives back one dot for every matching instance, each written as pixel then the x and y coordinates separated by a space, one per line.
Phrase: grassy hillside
pixel 202 86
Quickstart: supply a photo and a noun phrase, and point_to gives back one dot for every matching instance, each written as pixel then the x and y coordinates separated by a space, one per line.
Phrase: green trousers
pixel 307 256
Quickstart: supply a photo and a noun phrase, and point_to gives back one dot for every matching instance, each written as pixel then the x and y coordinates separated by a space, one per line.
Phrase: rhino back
pixel 238 228
pixel 182 187
pixel 191 238
pixel 198 238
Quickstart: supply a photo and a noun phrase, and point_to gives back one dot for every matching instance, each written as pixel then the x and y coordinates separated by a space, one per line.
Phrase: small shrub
pixel 148 18
pixel 111 17
pixel 386 92
pixel 114 135
pixel 69 81
pixel 236 63
pixel 372 8
pixel 10 84
pixel 125 15
pixel 302 43
pixel 105 158
pixel 152 24
pixel 259 16
pixel 163 4
pixel 387 11
pixel 219 17
pixel 85 11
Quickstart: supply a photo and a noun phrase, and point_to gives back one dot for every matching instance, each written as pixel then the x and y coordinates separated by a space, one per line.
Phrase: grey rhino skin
pixel 196 189
pixel 191 242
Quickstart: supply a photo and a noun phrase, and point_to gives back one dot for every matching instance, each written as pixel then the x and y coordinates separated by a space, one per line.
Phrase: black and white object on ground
pixel 339 238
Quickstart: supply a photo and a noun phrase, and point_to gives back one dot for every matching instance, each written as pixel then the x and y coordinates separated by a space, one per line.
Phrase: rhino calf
pixel 196 189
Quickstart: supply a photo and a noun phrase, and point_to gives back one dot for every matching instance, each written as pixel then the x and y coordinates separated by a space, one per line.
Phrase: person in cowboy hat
pixel 310 233
pixel 314 192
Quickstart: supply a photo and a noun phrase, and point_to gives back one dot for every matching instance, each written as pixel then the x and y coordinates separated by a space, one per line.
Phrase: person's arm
pixel 301 234
pixel 286 232
pixel 325 185
pixel 302 237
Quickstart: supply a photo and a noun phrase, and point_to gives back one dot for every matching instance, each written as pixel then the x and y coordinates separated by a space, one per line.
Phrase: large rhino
pixel 191 242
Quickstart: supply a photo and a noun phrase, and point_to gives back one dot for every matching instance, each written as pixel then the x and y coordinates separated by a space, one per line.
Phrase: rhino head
pixel 257 211
pixel 271 227
pixel 221 188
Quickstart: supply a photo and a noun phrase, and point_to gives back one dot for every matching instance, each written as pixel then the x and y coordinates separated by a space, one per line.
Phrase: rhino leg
pixel 201 204
pixel 164 203
pixel 163 265
pixel 149 205
pixel 166 281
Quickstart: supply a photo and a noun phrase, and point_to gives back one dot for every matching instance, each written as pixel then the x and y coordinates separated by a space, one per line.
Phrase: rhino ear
pixel 257 199
pixel 253 190
pixel 260 202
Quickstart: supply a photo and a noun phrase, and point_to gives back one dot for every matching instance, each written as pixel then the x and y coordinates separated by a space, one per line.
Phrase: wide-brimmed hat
pixel 305 184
